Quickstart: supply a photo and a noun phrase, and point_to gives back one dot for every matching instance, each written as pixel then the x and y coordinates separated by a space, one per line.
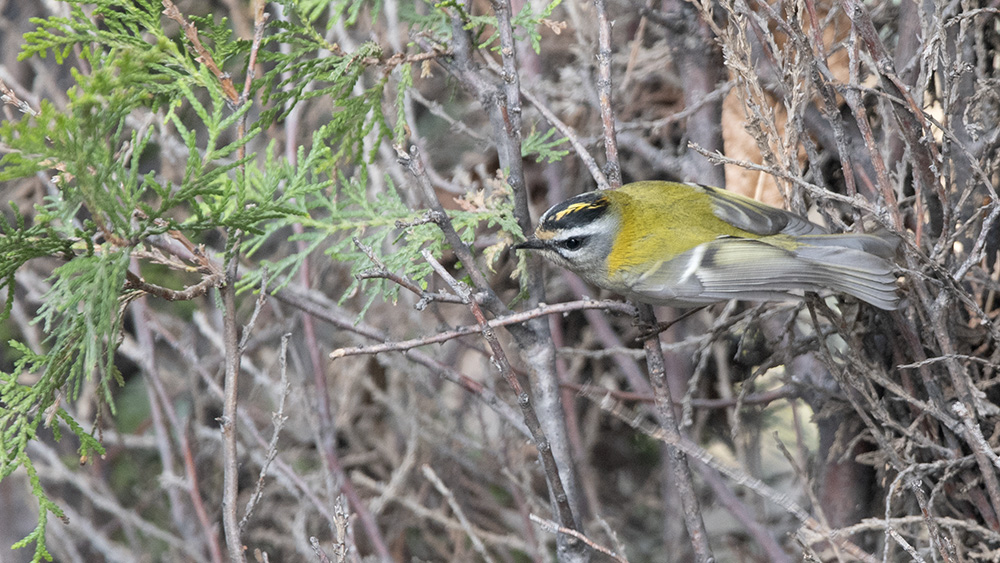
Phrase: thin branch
pixel 613 167
pixel 406 283
pixel 562 505
pixel 554 528
pixel 279 418
pixel 160 404
pixel 326 310
pixel 755 529
pixel 449 496
pixel 419 508
pixel 233 351
pixel 668 422
pixel 506 115
pixel 8 96
pixel 912 125
pixel 571 136
pixel 134 282
pixel 506 320
pixel 413 162
pixel 203 56
pixel 228 420
pixel 780 499
pixel 763 398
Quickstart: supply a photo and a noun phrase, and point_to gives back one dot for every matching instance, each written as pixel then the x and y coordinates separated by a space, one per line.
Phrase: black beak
pixel 530 244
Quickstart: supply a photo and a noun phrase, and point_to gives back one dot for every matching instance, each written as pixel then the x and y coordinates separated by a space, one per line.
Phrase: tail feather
pixel 856 271
pixel 884 246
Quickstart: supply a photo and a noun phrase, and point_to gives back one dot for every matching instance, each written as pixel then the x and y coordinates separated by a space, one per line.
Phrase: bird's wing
pixel 758 218
pixel 734 268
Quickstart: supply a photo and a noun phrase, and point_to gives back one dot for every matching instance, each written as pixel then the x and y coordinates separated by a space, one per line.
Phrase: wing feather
pixel 758 218
pixel 734 268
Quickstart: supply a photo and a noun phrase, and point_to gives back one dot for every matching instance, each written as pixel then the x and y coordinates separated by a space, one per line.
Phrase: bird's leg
pixel 647 331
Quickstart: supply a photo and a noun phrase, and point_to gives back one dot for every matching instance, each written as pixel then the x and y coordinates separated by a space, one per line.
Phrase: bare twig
pixel 201 288
pixel 739 477
pixel 572 137
pixel 613 167
pixel 763 398
pixel 912 125
pixel 402 281
pixel 477 543
pixel 764 537
pixel 668 422
pixel 228 419
pixel 554 528
pixel 318 550
pixel 53 469
pixel 506 116
pixel 161 403
pixel 533 337
pixel 326 310
pixel 414 163
pixel 279 419
pixel 563 508
pixel 8 96
pixel 233 352
pixel 506 320
pixel 436 516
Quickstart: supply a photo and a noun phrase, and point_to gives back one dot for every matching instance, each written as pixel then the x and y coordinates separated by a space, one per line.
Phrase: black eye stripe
pixel 572 243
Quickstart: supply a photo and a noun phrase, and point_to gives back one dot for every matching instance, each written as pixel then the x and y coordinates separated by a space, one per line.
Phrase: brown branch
pixel 563 509
pixel 382 272
pixel 134 282
pixel 668 422
pixel 861 398
pixel 203 56
pixel 682 444
pixel 209 380
pixel 552 527
pixel 823 80
pixel 320 554
pixel 8 96
pixel 328 311
pixel 572 137
pixel 414 163
pixel 506 320
pixel 228 420
pixel 392 61
pixel 426 297
pixel 456 509
pixel 732 503
pixel 698 59
pixel 160 404
pixel 327 435
pixel 233 349
pixel 502 105
pixel 986 458
pixel 506 116
pixel 762 398
pixel 259 25
pixel 860 113
pixel 912 125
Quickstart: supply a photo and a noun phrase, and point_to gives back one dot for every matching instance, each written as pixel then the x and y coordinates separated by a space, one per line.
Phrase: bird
pixel 689 245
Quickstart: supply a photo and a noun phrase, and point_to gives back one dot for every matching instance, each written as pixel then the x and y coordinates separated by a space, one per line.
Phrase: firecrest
pixel 667 243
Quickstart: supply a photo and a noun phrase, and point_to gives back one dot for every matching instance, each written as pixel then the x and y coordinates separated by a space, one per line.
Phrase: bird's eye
pixel 572 243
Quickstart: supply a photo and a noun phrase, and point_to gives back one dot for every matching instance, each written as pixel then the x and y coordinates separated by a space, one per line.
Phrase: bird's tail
pixel 855 264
